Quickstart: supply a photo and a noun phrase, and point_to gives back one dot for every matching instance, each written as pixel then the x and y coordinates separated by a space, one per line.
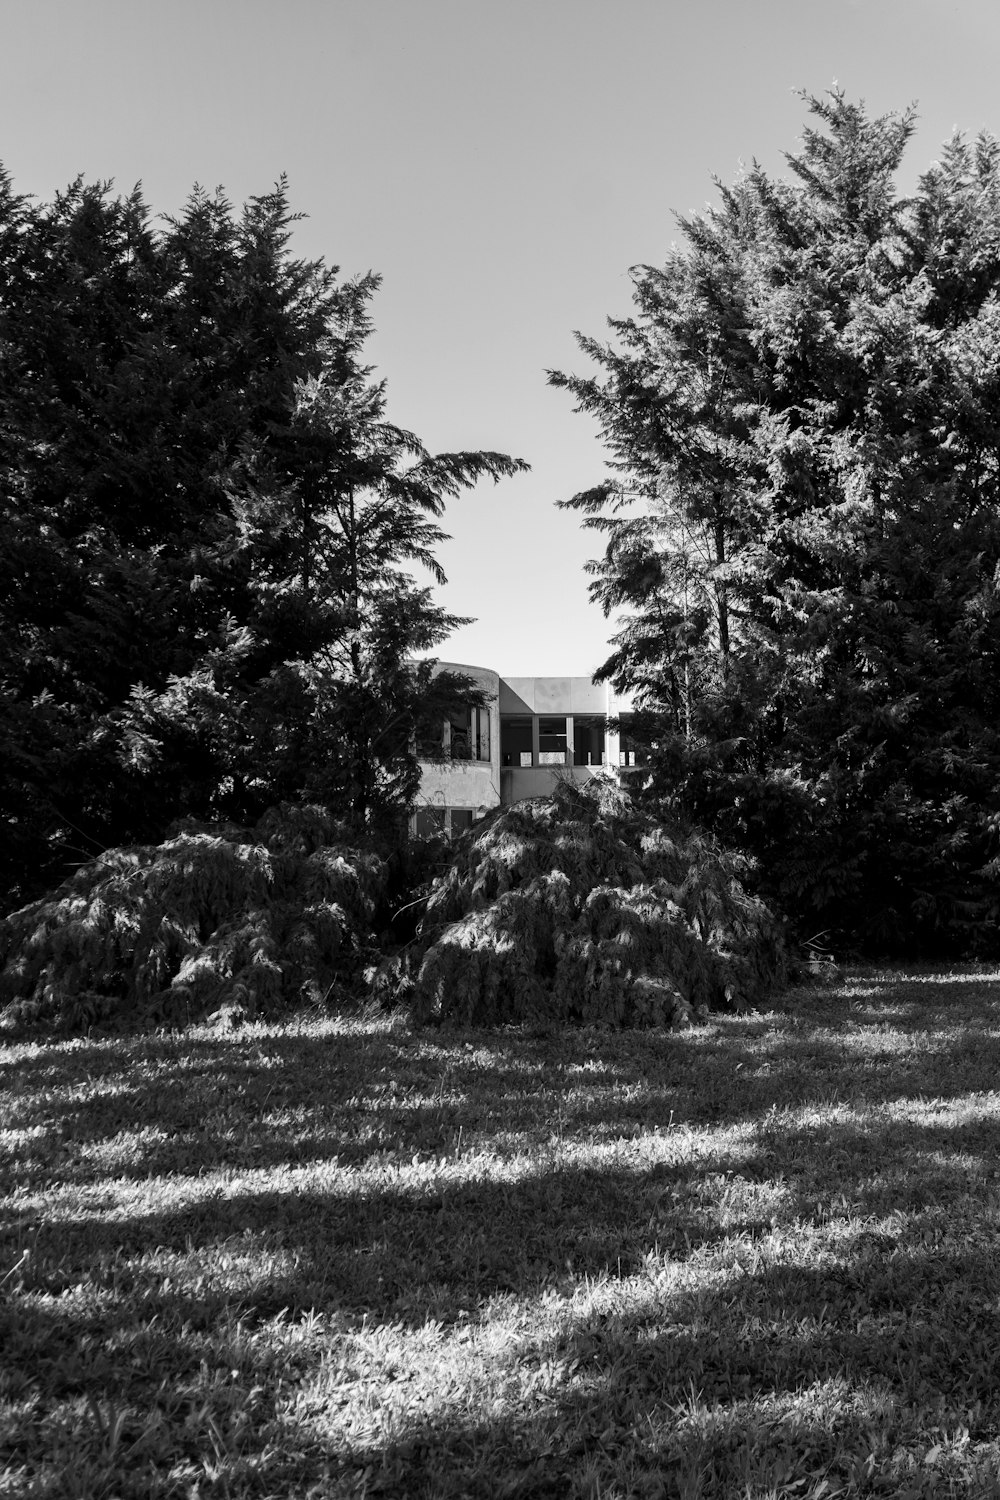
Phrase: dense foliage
pixel 803 529
pixel 205 526
pixel 579 908
pixel 215 921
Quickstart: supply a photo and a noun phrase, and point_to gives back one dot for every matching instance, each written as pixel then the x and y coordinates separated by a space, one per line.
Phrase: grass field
pixel 759 1258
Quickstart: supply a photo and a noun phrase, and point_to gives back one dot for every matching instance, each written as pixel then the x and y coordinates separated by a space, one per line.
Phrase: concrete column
pixel 611 748
pixel 534 740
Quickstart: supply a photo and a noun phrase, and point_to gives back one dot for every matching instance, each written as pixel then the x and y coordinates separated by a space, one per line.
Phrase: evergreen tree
pixel 803 530
pixel 205 525
pixel 580 908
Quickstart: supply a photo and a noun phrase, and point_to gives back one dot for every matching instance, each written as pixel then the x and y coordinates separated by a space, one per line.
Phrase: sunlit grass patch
pixel 339 1258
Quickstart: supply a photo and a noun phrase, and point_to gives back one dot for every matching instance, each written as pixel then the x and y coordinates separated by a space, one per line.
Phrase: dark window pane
pixel 630 753
pixel 588 740
pixel 469 733
pixel 552 741
pixel 515 740
pixel 430 740
pixel 430 821
pixel 460 721
pixel 461 819
pixel 482 733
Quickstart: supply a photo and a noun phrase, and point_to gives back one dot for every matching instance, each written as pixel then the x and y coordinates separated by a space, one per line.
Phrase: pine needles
pixel 578 908
pixel 223 920
pixel 575 908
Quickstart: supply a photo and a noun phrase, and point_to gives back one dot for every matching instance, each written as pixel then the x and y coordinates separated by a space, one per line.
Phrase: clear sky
pixel 502 165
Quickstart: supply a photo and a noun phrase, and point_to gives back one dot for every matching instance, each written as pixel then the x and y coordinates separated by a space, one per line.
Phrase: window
pixel 433 822
pixel 481 733
pixel 588 740
pixel 630 753
pixel 430 739
pixel 515 740
pixel 470 733
pixel 552 742
pixel 430 821
pixel 460 738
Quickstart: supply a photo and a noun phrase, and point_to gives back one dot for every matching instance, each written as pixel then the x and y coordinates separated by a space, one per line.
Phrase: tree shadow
pixel 728 1394
pixel 876 1317
pixel 455 1243
pixel 92 1110
pixel 401 1251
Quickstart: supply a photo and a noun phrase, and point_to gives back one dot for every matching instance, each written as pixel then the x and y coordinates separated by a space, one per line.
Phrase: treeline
pixel 803 530
pixel 208 628
pixel 206 523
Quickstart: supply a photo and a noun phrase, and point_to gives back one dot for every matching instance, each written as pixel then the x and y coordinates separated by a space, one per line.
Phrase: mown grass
pixel 758 1258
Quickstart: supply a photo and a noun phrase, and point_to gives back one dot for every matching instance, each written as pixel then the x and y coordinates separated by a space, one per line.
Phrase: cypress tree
pixel 206 525
pixel 802 529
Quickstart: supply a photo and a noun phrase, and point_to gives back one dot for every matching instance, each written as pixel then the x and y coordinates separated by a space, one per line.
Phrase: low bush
pixel 579 908
pixel 221 919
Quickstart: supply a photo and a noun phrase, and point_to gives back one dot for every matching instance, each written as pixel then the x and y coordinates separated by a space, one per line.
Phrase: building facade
pixel 531 732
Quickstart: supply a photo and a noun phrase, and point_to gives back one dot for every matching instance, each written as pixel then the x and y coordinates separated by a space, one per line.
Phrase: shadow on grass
pixel 404 1251
pixel 906 1318
pixel 151 1106
pixel 154 1307
pixel 789 1374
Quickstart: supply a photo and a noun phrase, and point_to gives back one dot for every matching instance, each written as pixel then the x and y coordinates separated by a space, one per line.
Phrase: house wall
pixel 460 784
pixel 518 782
pixel 466 783
pixel 554 695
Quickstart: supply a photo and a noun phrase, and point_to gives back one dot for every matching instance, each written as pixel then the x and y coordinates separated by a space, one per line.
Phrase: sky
pixel 501 165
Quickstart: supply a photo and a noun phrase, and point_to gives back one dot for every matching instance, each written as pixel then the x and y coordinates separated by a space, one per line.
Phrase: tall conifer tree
pixel 803 530
pixel 205 529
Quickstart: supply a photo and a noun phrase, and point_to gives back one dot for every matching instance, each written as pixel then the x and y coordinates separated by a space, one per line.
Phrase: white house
pixel 531 731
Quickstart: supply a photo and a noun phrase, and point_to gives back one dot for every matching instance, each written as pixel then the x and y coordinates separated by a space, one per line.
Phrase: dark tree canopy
pixel 803 531
pixel 206 527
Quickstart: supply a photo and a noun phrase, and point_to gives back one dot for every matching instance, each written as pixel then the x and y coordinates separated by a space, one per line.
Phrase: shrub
pixel 246 922
pixel 579 908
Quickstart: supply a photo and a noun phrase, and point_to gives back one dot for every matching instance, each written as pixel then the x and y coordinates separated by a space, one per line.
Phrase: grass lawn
pixel 759 1258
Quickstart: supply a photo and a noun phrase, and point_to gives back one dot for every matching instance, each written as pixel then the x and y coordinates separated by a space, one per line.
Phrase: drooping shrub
pixel 578 908
pixel 220 919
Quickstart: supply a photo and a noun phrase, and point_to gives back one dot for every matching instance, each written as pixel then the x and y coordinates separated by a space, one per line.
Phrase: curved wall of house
pixel 467 784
